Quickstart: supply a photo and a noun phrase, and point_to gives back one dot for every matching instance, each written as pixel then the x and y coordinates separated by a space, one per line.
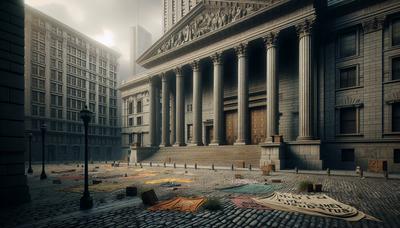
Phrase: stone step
pixel 207 155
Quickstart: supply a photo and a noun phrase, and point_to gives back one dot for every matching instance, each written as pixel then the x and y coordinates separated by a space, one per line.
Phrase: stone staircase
pixel 208 155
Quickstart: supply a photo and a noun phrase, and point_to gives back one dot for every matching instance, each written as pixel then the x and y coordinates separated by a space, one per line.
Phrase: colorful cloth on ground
pixel 159 181
pixel 319 205
pixel 248 203
pixel 102 187
pixel 244 181
pixel 253 188
pixel 170 184
pixel 179 204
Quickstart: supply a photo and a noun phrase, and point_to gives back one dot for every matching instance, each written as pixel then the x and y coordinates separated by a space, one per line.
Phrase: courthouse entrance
pixel 230 127
pixel 258 122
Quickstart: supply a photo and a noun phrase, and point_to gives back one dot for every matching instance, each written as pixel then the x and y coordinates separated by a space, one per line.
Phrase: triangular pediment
pixel 209 16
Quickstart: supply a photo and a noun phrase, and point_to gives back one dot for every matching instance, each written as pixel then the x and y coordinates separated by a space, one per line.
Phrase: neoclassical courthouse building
pixel 296 83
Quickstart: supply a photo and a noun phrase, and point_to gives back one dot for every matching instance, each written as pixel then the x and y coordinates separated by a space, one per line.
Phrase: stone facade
pixel 64 71
pixel 13 187
pixel 314 74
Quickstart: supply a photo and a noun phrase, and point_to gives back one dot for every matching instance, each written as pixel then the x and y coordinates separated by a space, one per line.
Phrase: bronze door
pixel 258 124
pixel 230 127
pixel 209 134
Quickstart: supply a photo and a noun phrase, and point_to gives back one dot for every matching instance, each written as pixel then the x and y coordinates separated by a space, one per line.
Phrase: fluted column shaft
pixel 243 97
pixel 152 113
pixel 305 81
pixel 165 111
pixel 197 105
pixel 180 111
pixel 272 86
pixel 218 100
pixel 172 116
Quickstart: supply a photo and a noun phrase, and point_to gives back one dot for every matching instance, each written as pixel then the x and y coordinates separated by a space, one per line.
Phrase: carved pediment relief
pixel 347 101
pixel 211 15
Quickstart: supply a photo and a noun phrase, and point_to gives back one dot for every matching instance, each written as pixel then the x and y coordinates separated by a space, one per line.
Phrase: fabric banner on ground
pixel 320 205
pixel 179 204
pixel 248 203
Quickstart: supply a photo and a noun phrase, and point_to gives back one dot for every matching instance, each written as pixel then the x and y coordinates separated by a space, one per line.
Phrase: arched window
pixel 139 107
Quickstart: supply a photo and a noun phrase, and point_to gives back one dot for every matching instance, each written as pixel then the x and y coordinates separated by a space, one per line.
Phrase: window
pixel 348 44
pixel 348 77
pixel 347 155
pixel 130 108
pixel 139 107
pixel 396 32
pixel 348 120
pixel 138 120
pixel 396 117
pixel 396 156
pixel 189 107
pixel 189 132
pixel 130 122
pixel 396 68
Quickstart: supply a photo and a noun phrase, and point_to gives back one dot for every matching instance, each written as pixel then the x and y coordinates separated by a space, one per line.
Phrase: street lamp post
pixel 86 201
pixel 30 171
pixel 43 129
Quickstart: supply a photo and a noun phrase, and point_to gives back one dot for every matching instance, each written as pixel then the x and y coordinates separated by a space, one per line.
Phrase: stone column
pixel 218 100
pixel 197 105
pixel 243 96
pixel 270 41
pixel 180 109
pixel 165 111
pixel 305 81
pixel 152 112
pixel 172 118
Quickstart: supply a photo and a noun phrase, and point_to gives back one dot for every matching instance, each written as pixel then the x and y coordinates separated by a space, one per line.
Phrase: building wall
pixel 74 71
pixel 141 39
pixel 13 187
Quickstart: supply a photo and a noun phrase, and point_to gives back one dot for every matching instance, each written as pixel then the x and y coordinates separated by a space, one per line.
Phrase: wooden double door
pixel 258 124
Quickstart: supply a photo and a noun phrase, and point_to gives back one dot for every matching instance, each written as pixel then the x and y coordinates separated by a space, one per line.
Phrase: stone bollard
pixel 232 168
pixel 386 174
pixel 151 164
pixel 141 166
pixel 361 173
pixel 296 170
pixel 244 165
pixel 250 167
pixel 174 165
pixel 212 166
pixel 195 165
pixel 328 171
pixel 185 165
pixel 165 165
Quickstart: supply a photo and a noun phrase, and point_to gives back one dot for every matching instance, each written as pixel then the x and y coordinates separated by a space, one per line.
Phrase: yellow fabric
pixel 159 181
pixel 320 205
pixel 179 204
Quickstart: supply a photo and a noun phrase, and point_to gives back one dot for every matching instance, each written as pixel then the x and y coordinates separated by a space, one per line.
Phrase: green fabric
pixel 253 188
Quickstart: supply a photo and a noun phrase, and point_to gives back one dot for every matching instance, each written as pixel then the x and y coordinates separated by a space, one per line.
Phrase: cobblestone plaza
pixel 53 207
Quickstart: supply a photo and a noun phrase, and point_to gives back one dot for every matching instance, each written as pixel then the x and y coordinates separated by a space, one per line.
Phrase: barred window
pixel 348 120
pixel 348 77
pixel 348 44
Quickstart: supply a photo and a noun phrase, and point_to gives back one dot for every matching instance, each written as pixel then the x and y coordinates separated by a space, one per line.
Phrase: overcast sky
pixel 107 21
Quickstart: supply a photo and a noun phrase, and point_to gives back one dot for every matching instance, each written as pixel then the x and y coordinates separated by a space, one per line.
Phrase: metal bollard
pixel 361 173
pixel 195 165
pixel 151 164
pixel 232 168
pixel 296 170
pixel 328 171
pixel 165 165
pixel 141 166
pixel 250 167
pixel 244 165
pixel 174 165
pixel 386 174
pixel 212 166
pixel 185 166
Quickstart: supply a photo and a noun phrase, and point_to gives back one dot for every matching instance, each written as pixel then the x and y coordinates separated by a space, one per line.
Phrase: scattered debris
pixel 149 197
pixel 96 182
pixel 304 186
pixel 163 180
pixel 64 171
pixel 170 184
pixel 213 204
pixel 318 188
pixel 131 191
pixel 276 180
pixel 238 176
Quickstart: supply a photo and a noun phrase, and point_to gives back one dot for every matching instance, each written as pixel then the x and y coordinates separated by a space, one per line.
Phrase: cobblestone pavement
pixel 53 207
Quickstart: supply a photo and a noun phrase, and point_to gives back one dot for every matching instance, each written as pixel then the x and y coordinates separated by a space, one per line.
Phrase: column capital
pixel 216 58
pixel 178 71
pixel 195 65
pixel 373 24
pixel 241 49
pixel 305 27
pixel 163 76
pixel 270 39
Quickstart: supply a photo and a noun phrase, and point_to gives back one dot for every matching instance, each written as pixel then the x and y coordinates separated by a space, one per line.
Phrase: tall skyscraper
pixel 174 10
pixel 64 71
pixel 141 40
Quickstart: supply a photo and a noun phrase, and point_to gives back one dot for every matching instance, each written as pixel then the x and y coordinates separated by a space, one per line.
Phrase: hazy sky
pixel 107 21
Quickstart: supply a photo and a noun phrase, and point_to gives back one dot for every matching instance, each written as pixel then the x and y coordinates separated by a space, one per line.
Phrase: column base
pixel 240 143
pixel 196 144
pixel 179 144
pixel 304 138
pixel 216 143
pixel 165 145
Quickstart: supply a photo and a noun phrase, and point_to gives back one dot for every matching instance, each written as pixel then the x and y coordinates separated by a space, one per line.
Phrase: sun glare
pixel 106 38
